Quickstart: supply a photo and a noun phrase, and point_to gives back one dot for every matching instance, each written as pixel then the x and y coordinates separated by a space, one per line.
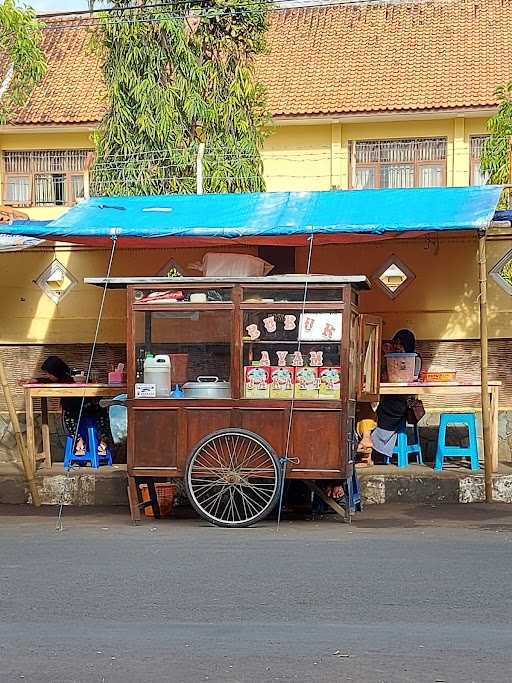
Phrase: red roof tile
pixel 356 58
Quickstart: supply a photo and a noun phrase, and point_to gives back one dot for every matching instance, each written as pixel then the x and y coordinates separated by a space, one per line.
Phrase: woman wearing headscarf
pixel 392 409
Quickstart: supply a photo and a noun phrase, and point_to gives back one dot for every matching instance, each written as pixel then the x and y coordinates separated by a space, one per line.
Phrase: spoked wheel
pixel 232 478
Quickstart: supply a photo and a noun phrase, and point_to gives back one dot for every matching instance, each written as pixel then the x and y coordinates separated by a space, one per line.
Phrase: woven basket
pixel 165 494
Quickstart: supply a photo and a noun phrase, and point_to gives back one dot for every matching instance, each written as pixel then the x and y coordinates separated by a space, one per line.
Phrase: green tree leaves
pixel 21 58
pixel 495 160
pixel 177 75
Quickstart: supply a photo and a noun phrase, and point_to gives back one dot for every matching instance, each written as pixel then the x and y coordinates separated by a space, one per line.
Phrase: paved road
pixel 405 595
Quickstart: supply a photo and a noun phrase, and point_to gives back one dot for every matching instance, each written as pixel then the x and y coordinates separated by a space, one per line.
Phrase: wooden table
pixel 46 391
pixel 453 389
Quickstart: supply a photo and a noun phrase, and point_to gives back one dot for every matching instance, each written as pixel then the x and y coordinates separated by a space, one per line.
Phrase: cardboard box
pixel 306 383
pixel 329 383
pixel 282 382
pixel 256 382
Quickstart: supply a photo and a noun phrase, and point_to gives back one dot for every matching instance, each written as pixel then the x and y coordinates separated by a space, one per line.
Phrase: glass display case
pixel 252 342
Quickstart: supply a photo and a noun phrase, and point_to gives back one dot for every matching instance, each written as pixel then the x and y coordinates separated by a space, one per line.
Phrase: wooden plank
pixel 495 393
pixel 45 431
pixel 75 390
pixel 183 307
pixel 328 501
pixel 28 461
pixel 30 427
pixel 333 306
pixel 432 389
pixel 133 499
pixel 279 280
pixel 236 346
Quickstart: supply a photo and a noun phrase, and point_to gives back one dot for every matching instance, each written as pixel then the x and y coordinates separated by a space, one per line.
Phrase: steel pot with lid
pixel 207 387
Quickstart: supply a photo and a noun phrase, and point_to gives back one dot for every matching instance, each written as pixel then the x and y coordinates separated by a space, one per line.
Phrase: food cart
pixel 274 366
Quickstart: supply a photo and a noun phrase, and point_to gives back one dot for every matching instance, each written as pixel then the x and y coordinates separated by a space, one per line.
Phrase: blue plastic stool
pixel 89 433
pixel 444 451
pixel 404 449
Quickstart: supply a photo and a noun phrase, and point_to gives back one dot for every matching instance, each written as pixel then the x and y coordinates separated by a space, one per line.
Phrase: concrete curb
pixel 108 488
pixel 380 489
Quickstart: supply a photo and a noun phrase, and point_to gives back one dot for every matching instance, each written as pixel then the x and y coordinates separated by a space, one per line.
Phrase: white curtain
pixel 364 178
pixel 397 175
pixel 17 190
pixel 431 175
pixel 44 190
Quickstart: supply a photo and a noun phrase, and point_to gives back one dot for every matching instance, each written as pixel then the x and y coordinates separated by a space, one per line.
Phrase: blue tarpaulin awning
pixel 265 216
pixel 15 241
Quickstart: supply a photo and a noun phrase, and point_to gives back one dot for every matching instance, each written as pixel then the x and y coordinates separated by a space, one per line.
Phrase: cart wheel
pixel 232 478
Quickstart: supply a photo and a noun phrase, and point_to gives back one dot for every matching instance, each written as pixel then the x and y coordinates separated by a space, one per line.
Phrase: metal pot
pixel 207 387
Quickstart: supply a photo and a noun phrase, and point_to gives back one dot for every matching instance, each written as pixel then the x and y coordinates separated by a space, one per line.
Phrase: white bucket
pixel 157 371
pixel 403 367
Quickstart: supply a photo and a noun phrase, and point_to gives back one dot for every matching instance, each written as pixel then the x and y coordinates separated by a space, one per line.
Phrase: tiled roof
pixel 365 57
pixel 72 90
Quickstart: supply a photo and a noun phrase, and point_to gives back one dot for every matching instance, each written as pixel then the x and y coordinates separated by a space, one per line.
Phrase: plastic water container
pixel 157 370
pixel 403 367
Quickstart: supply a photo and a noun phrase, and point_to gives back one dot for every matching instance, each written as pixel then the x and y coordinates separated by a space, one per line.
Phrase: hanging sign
pixel 320 327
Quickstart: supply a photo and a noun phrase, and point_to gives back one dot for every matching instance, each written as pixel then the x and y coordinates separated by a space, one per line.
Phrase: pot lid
pixel 206 381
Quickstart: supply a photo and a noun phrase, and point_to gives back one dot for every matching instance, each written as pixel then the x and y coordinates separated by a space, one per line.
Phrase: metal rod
pixel 484 369
pixel 199 168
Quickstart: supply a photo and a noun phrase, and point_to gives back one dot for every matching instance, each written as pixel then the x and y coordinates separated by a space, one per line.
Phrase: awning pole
pixel 28 467
pixel 484 368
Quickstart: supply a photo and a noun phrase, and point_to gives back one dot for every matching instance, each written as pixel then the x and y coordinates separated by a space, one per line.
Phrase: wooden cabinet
pixel 258 329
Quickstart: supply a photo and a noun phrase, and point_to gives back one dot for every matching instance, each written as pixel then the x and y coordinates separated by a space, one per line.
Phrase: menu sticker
pixel 324 327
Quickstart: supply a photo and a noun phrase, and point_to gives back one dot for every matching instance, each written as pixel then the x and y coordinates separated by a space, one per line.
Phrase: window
pixel 44 178
pixel 393 276
pixel 476 147
pixel 399 163
pixel 56 281
pixel 502 273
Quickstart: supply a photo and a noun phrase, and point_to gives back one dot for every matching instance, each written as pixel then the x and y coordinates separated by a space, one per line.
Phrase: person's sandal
pixel 80 447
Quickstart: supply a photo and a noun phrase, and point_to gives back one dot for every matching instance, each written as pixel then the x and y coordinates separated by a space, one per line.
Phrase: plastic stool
pixel 404 449
pixel 444 451
pixel 91 455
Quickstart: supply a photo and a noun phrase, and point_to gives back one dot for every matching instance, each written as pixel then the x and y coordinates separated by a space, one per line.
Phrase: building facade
pixel 366 95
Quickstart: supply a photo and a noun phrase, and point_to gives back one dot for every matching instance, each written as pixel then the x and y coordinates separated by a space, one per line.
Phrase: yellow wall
pixel 298 157
pixel 441 303
pixel 28 316
pixel 25 141
pixel 316 157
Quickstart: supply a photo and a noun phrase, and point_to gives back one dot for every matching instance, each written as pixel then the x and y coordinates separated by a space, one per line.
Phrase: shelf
pixel 183 307
pixel 295 343
pixel 335 307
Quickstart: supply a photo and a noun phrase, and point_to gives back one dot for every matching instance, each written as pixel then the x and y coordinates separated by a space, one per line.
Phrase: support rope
pixel 59 527
pixel 286 459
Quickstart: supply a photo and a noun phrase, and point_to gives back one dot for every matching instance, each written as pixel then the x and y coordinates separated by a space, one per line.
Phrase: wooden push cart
pixel 293 355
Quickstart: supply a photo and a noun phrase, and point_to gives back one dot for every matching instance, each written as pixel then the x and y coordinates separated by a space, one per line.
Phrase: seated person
pixel 57 371
pixel 378 438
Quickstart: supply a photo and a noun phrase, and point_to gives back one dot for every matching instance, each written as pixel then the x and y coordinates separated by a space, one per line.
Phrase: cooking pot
pixel 207 387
